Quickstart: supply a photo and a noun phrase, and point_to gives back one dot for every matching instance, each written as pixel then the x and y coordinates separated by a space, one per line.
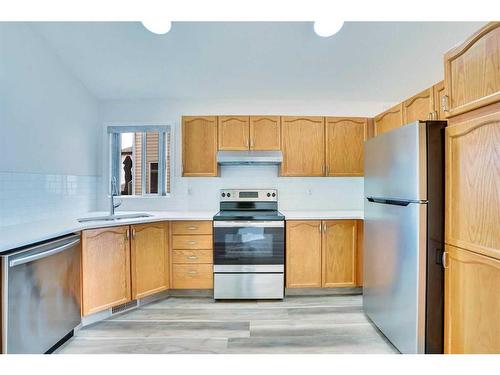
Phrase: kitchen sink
pixel 114 217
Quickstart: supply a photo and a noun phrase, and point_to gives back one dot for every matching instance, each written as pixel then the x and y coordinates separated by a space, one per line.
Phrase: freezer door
pixel 396 163
pixel 394 272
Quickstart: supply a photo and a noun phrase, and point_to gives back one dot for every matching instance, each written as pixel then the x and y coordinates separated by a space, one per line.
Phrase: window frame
pixel 165 157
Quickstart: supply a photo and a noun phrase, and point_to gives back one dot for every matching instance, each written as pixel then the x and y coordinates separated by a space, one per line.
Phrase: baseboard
pixel 323 291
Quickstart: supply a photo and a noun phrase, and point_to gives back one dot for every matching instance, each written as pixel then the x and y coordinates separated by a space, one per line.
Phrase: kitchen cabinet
pixel 323 253
pixel 472 303
pixel 265 133
pixel 472 71
pixel 192 255
pixel 105 268
pixel 419 107
pixel 149 256
pixel 234 133
pixel 303 254
pixel 388 120
pixel 439 93
pixel 339 252
pixel 472 181
pixel 199 146
pixel 345 138
pixel 303 146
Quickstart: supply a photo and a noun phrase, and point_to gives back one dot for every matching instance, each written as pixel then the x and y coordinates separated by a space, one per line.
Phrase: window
pixel 140 159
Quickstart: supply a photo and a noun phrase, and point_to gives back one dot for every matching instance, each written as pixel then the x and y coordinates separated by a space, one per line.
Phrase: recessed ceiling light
pixel 327 28
pixel 157 26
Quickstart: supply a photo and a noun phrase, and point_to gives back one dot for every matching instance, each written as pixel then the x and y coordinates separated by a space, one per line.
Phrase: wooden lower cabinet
pixel 472 302
pixel 339 253
pixel 322 253
pixel 105 268
pixel 192 255
pixel 149 254
pixel 303 254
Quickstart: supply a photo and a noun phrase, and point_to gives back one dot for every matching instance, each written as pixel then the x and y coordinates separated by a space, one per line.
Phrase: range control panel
pixel 256 195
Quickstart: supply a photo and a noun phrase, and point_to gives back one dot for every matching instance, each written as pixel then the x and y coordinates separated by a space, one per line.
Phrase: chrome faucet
pixel 114 193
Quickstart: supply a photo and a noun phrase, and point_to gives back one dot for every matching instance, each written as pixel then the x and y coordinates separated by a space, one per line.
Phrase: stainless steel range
pixel 249 246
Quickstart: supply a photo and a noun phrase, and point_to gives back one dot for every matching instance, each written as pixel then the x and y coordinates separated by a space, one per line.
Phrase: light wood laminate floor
pixel 299 324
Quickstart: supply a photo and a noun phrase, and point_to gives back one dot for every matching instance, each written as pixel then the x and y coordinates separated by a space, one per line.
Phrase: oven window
pixel 249 245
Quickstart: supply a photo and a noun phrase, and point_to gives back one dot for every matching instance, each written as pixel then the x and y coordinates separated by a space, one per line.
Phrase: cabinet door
pixel 234 133
pixel 388 120
pixel 339 253
pixel 472 71
pixel 345 146
pixel 105 268
pixel 265 132
pixel 439 93
pixel 472 303
pixel 472 183
pixel 419 107
pixel 149 253
pixel 303 254
pixel 303 146
pixel 199 146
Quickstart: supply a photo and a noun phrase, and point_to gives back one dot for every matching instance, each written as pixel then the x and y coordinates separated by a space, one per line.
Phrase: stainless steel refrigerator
pixel 404 235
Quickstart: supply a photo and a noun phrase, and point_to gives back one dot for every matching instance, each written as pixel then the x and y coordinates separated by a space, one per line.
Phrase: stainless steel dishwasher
pixel 40 295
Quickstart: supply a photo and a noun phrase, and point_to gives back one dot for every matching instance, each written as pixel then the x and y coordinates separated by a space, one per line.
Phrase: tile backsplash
pixel 27 197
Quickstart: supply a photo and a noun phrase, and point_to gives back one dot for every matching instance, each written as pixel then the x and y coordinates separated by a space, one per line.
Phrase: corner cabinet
pixel 303 146
pixel 199 146
pixel 472 71
pixel 345 138
pixel 388 120
pixel 149 256
pixel 472 303
pixel 323 253
pixel 105 268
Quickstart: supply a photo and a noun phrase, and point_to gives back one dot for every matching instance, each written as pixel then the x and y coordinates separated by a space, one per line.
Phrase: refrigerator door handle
pixel 394 202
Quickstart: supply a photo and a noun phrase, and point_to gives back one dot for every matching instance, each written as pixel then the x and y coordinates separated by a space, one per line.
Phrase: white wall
pixel 50 136
pixel 202 193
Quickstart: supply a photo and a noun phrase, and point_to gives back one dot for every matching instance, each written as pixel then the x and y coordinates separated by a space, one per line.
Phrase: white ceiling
pixel 365 61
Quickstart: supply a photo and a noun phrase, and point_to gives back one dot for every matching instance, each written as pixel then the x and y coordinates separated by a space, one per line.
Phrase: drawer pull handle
pixel 192 272
pixel 191 242
pixel 192 227
pixel 192 257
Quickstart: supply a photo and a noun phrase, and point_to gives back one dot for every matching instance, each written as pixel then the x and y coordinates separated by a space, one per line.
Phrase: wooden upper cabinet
pixel 265 132
pixel 419 107
pixel 472 183
pixel 388 120
pixel 199 146
pixel 303 254
pixel 345 145
pixel 303 146
pixel 472 303
pixel 439 93
pixel 149 255
pixel 472 71
pixel 339 253
pixel 234 133
pixel 105 268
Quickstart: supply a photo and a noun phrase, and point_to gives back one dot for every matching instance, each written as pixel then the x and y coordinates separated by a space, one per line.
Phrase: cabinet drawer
pixel 202 242
pixel 192 227
pixel 192 256
pixel 192 276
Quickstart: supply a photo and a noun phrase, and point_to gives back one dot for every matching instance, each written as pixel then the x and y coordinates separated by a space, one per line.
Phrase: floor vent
pixel 124 306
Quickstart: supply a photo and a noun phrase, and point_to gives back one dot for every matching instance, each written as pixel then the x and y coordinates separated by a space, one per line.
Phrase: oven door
pixel 249 242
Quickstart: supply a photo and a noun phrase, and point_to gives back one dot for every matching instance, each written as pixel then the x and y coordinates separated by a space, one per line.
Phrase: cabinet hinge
pixel 444 103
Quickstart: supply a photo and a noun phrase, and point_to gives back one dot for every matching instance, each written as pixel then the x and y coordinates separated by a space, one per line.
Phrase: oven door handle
pixel 251 224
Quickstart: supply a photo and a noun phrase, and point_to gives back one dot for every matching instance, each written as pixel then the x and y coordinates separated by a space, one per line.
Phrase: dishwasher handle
pixel 43 254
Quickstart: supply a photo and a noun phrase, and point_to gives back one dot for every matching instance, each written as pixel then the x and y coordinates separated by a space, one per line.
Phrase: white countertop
pixel 322 214
pixel 15 236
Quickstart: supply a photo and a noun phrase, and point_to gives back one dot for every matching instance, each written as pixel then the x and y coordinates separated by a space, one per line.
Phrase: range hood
pixel 249 157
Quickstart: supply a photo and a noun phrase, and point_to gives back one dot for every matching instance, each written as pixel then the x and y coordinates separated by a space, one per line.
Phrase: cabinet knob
pixel 191 242
pixel 192 257
pixel 192 227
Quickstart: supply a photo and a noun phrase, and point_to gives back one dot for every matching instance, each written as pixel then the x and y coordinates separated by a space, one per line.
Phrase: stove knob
pixel 274 194
pixel 228 195
pixel 268 194
pixel 223 195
